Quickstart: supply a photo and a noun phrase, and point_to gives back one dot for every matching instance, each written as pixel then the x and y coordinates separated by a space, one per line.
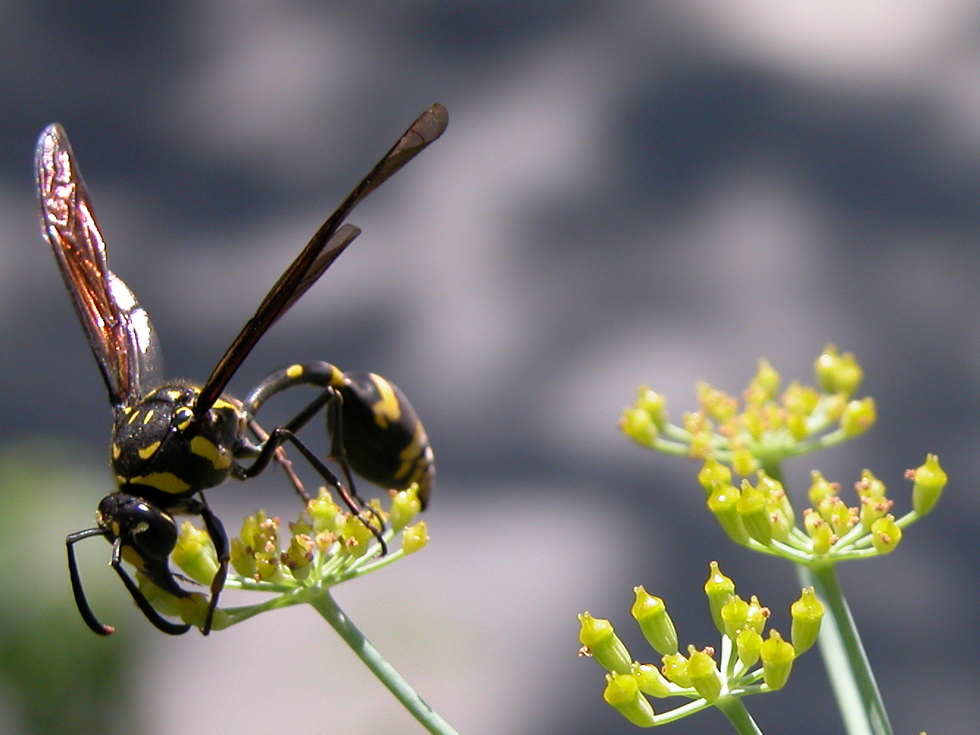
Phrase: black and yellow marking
pixel 373 427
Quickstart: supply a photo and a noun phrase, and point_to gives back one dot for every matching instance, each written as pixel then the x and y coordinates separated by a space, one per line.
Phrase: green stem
pixel 846 662
pixel 736 713
pixel 429 719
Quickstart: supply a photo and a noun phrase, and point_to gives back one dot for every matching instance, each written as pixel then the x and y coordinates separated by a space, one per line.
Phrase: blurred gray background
pixel 628 192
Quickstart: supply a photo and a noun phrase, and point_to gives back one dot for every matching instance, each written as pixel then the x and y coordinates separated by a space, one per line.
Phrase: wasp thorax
pixel 161 443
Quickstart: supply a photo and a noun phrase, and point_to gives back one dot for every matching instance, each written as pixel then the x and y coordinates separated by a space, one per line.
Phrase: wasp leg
pixel 332 380
pixel 280 435
pixel 282 459
pixel 76 582
pixel 219 538
pixel 159 622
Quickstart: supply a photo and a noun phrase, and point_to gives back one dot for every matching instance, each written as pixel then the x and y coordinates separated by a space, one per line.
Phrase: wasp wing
pixel 118 329
pixel 320 252
pixel 343 237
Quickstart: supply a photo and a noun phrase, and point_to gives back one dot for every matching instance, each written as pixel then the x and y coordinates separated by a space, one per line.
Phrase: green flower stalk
pixel 299 564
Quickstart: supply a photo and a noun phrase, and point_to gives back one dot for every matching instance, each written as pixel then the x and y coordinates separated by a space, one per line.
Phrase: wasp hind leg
pixel 315 374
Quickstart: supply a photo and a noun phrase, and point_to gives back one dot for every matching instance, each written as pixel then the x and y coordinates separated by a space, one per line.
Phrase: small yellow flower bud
pixel 734 615
pixel 299 555
pixel 702 670
pixel 833 406
pixel 821 489
pixel 807 612
pixel 719 590
pixel 872 510
pixel 800 400
pixel 869 486
pixel 242 561
pixel 848 375
pixel 675 669
pixel 753 422
pixel 776 499
pixel 765 384
pixel 623 693
pixel 841 517
pixel 405 505
pixel 756 615
pixel 723 503
pixel 821 533
pixel 929 480
pixel 838 373
pixel 798 426
pixel 651 681
pixel 414 537
pixel 716 403
pixel 777 660
pixel 653 404
pixel 602 643
pixel 858 417
pixel 267 564
pixel 748 643
pixel 743 461
pixel 651 614
pixel 638 426
pixel 752 508
pixel 194 554
pixel 782 526
pixel 325 513
pixel 701 443
pixel 885 534
pixel 714 473
pixel 356 536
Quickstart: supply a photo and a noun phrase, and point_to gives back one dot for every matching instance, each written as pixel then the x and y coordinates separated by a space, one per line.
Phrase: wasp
pixel 172 440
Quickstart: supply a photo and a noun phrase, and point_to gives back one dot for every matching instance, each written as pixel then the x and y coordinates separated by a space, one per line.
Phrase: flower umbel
pixel 298 561
pixel 748 662
pixel 751 438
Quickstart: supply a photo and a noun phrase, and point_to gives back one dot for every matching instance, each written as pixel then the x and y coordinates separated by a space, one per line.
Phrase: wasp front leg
pixel 143 535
